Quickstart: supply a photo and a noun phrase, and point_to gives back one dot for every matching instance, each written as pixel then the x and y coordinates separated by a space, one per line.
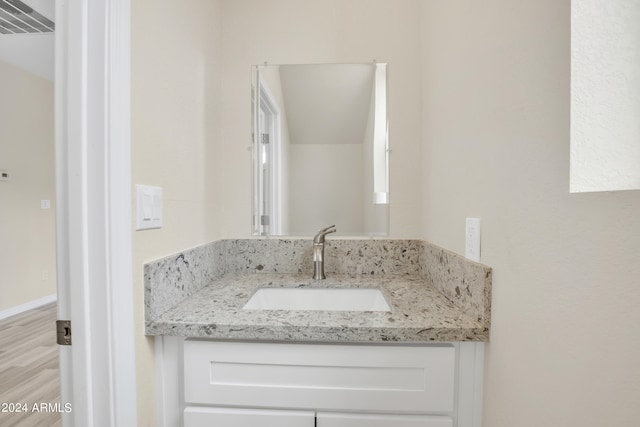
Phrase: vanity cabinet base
pixel 232 383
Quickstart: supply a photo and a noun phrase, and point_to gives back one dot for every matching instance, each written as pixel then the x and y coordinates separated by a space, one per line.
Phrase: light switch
pixel 149 208
pixel 45 204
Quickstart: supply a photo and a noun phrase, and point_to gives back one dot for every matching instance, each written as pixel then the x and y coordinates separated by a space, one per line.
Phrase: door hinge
pixel 265 138
pixel 63 329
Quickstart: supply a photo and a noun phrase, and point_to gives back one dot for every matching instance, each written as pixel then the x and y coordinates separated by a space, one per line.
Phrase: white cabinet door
pixel 325 419
pixel 238 417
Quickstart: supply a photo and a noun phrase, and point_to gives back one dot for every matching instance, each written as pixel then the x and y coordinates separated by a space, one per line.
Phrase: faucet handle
pixel 319 237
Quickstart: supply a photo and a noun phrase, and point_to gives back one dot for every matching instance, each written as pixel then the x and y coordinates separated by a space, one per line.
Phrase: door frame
pixel 93 191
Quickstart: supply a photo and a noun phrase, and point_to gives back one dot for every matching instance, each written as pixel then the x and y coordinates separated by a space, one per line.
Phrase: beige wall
pixel 328 31
pixel 27 233
pixel 492 141
pixel 565 341
pixel 176 131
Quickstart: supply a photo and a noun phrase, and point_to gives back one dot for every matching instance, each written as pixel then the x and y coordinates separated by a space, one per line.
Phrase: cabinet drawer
pixel 380 420
pixel 320 376
pixel 229 417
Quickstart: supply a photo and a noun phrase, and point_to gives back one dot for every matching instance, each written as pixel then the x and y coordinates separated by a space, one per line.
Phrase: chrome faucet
pixel 318 252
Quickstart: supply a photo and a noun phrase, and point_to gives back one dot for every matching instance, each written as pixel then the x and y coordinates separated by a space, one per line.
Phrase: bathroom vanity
pixel 223 362
pixel 285 384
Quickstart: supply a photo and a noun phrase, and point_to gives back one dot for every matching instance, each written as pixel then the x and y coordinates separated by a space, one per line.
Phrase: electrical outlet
pixel 472 239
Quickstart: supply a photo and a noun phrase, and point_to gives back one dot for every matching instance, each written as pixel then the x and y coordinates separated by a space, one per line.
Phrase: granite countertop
pixel 419 313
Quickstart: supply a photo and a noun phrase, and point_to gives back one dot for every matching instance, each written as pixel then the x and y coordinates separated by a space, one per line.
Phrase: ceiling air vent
pixel 18 18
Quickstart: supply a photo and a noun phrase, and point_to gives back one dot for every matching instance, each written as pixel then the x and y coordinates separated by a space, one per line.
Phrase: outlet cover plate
pixel 472 239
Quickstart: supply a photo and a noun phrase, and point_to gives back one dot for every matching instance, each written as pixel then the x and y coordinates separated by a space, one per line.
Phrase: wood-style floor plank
pixel 29 372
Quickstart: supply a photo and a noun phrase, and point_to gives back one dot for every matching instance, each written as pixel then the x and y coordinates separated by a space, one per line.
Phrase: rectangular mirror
pixel 320 149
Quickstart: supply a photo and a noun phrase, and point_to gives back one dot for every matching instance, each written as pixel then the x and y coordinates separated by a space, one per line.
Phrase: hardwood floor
pixel 29 374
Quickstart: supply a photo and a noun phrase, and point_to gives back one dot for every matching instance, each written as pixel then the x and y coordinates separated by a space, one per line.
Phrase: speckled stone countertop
pixel 434 295
pixel 418 313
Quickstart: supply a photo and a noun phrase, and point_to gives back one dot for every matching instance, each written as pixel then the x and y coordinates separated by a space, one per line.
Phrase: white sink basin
pixel 318 299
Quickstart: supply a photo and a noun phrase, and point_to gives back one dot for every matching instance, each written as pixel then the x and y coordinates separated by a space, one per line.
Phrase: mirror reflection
pixel 320 149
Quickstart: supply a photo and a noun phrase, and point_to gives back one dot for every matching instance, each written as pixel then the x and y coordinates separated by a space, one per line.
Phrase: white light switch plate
pixel 472 239
pixel 149 207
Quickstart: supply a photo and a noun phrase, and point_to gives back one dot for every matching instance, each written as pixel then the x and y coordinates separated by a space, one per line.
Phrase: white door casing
pixel 95 292
pixel 268 162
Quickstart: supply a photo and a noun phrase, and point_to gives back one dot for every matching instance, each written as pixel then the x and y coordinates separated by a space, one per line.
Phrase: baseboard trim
pixel 27 306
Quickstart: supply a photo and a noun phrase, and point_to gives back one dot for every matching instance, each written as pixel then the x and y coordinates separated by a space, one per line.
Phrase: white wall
pixel 176 130
pixel 564 343
pixel 605 95
pixel 33 53
pixel 27 233
pixel 331 176
pixel 328 31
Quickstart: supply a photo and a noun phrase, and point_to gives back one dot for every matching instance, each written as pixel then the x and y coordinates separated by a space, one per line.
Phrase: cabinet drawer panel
pixel 353 377
pixel 380 420
pixel 228 417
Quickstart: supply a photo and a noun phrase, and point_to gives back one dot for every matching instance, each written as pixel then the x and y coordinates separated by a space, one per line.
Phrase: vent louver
pixel 18 18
